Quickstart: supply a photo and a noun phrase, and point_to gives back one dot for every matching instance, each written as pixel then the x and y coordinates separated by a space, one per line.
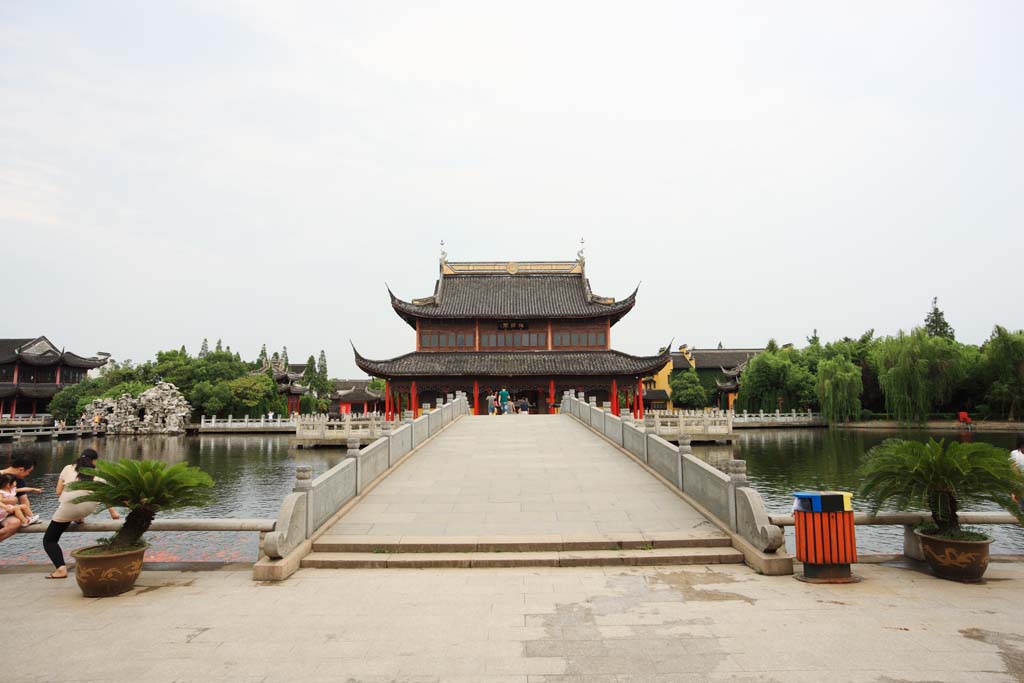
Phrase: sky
pixel 257 171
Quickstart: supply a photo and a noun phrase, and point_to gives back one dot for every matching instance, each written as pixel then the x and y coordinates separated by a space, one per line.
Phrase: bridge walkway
pixel 541 484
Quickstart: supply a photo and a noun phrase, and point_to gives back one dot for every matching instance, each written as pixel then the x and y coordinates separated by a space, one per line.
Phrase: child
pixel 9 499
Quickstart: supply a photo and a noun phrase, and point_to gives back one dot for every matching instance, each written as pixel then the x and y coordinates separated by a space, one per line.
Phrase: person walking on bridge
pixel 503 398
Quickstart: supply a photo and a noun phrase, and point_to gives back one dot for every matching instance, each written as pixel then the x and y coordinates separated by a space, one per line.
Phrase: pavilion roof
pixel 40 351
pixel 512 290
pixel 714 359
pixel 513 363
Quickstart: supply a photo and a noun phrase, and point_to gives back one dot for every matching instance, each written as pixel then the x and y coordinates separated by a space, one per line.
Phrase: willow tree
pixel 917 373
pixel 1004 365
pixel 839 388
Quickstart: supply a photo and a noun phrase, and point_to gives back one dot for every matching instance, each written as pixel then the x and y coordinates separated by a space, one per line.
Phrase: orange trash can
pixel 826 542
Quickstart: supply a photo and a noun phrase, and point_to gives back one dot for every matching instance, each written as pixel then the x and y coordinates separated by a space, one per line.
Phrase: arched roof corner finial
pixel 579 254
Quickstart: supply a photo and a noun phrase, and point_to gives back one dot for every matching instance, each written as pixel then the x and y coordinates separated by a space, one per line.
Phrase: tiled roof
pixel 14 349
pixel 715 358
pixel 512 363
pixel 655 395
pixel 528 296
pixel 357 395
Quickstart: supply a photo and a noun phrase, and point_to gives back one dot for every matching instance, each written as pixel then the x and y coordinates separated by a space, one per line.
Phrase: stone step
pixel 534 543
pixel 575 558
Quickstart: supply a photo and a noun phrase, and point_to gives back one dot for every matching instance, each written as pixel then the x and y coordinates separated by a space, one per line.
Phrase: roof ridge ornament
pixel 579 254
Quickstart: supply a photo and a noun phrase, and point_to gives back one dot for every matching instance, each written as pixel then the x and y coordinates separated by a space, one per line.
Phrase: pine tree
pixel 276 358
pixel 228 348
pixel 182 350
pixel 935 322
pixel 204 350
pixel 218 348
pixel 284 357
pixel 309 377
pixel 262 359
pixel 321 366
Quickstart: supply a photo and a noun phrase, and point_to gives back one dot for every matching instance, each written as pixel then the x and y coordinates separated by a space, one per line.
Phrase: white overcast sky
pixel 256 171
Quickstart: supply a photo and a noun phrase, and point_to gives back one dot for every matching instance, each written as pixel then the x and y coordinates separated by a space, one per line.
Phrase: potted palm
pixel 145 487
pixel 939 477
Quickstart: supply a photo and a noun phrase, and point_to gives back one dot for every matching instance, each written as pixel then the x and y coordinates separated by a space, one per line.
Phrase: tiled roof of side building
pixel 41 351
pixel 715 358
pixel 513 363
pixel 522 296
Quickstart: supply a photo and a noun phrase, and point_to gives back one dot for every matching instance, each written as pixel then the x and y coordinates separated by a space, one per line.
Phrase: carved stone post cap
pixel 303 478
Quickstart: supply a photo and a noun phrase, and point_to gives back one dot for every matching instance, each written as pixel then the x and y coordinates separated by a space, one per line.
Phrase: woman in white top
pixel 69 511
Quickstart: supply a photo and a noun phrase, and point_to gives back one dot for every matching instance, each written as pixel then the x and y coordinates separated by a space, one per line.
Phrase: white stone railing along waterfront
pixel 245 423
pixel 778 418
pixel 346 427
pixel 314 502
pixel 696 424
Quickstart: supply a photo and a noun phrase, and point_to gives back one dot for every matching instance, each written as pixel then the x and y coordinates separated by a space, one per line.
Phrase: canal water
pixel 254 473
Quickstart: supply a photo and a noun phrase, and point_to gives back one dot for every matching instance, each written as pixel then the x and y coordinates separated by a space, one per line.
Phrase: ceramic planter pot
pixel 964 561
pixel 107 574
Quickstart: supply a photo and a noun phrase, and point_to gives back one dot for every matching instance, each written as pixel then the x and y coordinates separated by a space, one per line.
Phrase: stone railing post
pixel 911 543
pixel 230 417
pixel 737 471
pixel 202 421
pixel 303 479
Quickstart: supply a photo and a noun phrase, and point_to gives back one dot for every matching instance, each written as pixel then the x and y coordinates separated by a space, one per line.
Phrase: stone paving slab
pixel 542 625
pixel 537 474
pixel 514 543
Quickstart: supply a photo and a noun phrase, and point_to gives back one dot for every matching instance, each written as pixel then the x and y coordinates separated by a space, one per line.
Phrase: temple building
pixel 719 371
pixel 33 370
pixel 355 396
pixel 535 328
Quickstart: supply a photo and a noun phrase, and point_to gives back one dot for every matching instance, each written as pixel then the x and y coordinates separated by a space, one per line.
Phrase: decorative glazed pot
pixel 106 574
pixel 964 561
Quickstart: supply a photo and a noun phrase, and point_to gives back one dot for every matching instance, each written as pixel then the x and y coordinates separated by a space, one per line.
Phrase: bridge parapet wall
pixel 713 490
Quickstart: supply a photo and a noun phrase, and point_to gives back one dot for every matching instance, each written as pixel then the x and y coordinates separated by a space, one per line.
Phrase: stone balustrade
pixel 311 507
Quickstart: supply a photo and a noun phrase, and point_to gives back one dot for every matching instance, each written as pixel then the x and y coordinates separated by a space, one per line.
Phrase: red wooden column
pixel 14 404
pixel 33 407
pixel 640 398
pixel 615 397
pixel 58 374
pixel 476 397
pixel 1 406
pixel 387 399
pixel 415 403
pixel 551 386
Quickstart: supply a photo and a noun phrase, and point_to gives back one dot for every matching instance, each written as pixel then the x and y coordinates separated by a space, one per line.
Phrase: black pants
pixel 51 542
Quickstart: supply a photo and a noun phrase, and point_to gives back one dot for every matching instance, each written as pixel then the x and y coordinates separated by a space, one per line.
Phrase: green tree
pixel 262 359
pixel 935 322
pixel 776 380
pixel 839 388
pixel 68 403
pixel 182 350
pixel 252 395
pixel 284 357
pixel 309 377
pixel 687 391
pixel 376 384
pixel 1004 369
pixel 218 348
pixel 323 377
pixel 917 373
pixel 204 349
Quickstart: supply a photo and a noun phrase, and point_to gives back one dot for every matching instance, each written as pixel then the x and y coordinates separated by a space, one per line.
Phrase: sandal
pixel 51 576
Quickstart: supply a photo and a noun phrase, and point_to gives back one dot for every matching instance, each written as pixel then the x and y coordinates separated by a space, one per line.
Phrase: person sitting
pixel 9 504
pixel 21 468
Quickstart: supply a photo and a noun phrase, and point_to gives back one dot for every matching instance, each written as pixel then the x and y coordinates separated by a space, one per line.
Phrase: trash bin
pixel 825 538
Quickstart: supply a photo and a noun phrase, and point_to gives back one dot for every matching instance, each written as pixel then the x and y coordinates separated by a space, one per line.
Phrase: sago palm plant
pixel 145 487
pixel 938 477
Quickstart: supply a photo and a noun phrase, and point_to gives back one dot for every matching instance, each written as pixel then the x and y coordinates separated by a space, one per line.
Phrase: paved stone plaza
pixel 517 475
pixel 600 624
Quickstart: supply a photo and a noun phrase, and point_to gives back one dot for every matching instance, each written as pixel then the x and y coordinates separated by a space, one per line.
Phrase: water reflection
pixel 781 461
pixel 251 474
